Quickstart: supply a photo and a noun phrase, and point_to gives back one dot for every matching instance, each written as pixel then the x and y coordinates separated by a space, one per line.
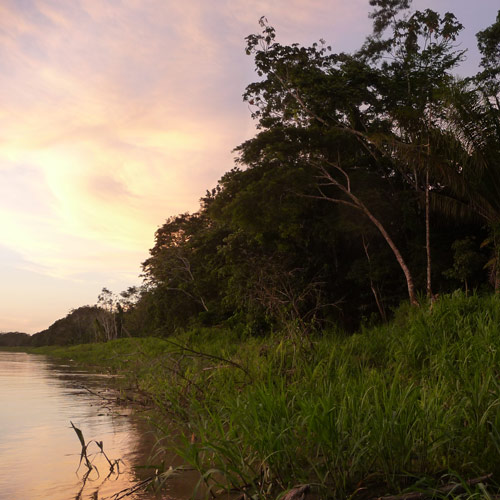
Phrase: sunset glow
pixel 116 115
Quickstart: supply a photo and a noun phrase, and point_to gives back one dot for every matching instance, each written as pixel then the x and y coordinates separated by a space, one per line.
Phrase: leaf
pixel 79 433
pixel 83 454
pixel 490 263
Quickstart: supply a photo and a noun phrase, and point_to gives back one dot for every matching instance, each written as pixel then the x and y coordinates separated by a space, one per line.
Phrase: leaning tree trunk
pixel 406 271
pixel 355 202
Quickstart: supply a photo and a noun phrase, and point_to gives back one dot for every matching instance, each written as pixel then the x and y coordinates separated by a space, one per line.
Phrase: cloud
pixel 119 114
pixel 116 115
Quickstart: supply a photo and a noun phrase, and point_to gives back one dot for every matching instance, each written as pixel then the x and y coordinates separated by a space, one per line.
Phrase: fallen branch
pixel 452 487
pixel 297 493
pixel 206 355
pixel 119 399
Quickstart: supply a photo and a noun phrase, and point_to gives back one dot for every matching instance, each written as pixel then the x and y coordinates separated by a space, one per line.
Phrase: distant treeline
pixel 11 339
pixel 83 325
pixel 373 178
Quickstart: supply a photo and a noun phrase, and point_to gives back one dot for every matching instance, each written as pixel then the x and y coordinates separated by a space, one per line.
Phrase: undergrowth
pixel 403 406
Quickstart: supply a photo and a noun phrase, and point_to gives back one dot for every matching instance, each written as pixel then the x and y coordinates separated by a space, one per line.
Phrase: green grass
pixel 400 406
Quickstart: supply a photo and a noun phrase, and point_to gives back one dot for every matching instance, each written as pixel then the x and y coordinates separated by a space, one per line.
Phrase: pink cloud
pixel 126 111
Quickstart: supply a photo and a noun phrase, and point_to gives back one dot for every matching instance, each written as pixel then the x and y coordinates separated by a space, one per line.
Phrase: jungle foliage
pixel 373 178
pixel 410 407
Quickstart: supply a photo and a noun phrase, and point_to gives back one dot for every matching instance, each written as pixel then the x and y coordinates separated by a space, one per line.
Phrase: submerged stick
pixel 112 464
pixel 129 491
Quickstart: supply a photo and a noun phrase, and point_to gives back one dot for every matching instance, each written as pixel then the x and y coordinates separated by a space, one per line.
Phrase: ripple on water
pixel 40 452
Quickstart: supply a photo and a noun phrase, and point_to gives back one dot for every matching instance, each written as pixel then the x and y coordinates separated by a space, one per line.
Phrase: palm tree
pixel 415 71
pixel 474 119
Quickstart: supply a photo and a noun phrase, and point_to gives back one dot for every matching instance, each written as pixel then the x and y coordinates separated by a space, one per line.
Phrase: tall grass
pixel 393 407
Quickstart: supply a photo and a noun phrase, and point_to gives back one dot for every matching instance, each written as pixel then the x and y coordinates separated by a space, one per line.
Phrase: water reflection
pixel 40 452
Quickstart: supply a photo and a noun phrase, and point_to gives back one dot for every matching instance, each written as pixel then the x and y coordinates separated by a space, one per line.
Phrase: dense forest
pixel 373 178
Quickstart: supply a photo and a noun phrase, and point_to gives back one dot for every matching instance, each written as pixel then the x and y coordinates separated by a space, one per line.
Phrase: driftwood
pixel 297 493
pixel 448 488
pixel 121 399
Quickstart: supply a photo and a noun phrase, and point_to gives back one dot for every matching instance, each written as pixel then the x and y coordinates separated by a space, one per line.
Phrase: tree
pixel 181 274
pixel 332 98
pixel 108 320
pixel 415 74
pixel 489 46
pixel 474 120
pixel 275 257
pixel 467 261
pixel 171 257
pixel 77 327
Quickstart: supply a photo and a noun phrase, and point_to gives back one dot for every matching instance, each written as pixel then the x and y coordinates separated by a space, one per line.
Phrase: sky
pixel 116 114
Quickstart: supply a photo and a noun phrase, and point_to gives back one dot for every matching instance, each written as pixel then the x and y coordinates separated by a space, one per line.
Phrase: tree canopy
pixel 373 177
pixel 364 183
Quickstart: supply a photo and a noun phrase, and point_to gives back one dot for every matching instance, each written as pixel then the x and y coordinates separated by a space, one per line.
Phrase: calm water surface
pixel 40 452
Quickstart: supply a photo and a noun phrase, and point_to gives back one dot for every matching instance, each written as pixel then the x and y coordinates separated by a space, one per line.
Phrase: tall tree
pixel 333 98
pixel 417 58
pixel 474 120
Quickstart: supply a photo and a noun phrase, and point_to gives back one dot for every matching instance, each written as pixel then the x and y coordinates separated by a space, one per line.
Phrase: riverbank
pixel 40 452
pixel 410 405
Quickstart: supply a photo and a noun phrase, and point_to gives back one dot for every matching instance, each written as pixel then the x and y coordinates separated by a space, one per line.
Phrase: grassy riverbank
pixel 410 405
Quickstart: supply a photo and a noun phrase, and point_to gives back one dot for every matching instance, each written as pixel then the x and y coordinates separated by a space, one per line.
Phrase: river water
pixel 40 452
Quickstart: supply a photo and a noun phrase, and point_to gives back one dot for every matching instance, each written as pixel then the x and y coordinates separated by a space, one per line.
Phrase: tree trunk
pixel 374 288
pixel 406 271
pixel 428 234
pixel 497 269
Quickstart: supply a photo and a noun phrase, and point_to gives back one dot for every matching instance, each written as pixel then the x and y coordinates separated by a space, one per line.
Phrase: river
pixel 40 452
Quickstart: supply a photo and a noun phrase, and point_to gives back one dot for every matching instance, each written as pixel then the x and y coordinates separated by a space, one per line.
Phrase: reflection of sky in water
pixel 39 452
